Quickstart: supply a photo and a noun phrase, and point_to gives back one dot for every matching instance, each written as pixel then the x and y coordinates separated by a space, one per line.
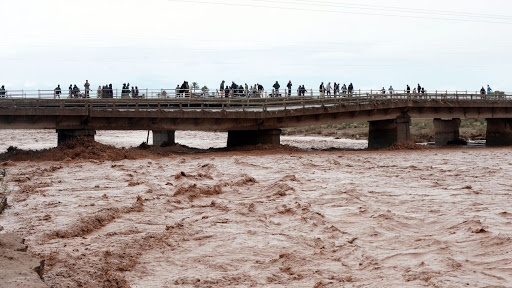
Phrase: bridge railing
pixel 171 93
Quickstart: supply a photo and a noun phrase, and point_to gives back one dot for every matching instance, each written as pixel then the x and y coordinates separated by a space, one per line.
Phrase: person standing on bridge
pixel 350 89
pixel 76 91
pixel 391 90
pixel 226 92
pixel 482 91
pixel 99 92
pixel 419 88
pixel 321 89
pixel 260 90
pixel 408 89
pixel 221 88
pixel 276 89
pixel 70 91
pixel 289 86
pixel 87 86
pixel 56 92
pixel 328 89
pixel 489 90
pixel 2 91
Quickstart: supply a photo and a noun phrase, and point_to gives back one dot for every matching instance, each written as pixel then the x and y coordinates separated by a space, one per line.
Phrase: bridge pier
pixel 254 137
pixel 384 133
pixel 446 131
pixel 499 132
pixel 64 135
pixel 166 137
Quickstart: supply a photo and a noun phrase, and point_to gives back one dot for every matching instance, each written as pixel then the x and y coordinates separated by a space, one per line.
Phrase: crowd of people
pixel 105 91
pixel 257 90
pixel 126 92
pixel 235 90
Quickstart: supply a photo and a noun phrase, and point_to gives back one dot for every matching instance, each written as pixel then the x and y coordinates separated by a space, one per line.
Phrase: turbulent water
pixel 266 218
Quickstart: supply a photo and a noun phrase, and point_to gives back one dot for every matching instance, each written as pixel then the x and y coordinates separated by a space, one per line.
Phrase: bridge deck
pixel 240 113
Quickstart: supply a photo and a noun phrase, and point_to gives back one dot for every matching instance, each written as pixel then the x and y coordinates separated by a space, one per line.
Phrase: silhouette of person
pixel 87 86
pixel 289 86
pixel 56 92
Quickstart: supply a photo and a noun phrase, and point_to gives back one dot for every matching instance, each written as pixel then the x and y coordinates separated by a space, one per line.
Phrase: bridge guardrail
pixel 171 94
pixel 235 103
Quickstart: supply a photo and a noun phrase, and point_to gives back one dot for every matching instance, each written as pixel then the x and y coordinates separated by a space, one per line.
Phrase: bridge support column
pixel 446 131
pixel 64 135
pixel 165 137
pixel 254 137
pixel 499 132
pixel 384 133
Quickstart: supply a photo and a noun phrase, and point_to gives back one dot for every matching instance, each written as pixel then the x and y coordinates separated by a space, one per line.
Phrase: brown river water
pixel 272 217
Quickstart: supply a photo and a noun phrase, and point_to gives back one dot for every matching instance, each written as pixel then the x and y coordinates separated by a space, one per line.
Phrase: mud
pixel 268 218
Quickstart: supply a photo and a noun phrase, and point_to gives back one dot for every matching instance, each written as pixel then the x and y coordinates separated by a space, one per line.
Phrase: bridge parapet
pixel 170 93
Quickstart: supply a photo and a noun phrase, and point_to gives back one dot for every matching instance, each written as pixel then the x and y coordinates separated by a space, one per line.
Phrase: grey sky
pixel 160 43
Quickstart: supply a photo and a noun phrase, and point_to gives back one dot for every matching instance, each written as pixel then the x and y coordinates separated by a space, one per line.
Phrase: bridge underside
pixel 446 131
pixel 385 133
pixel 65 135
pixel 499 132
pixel 254 137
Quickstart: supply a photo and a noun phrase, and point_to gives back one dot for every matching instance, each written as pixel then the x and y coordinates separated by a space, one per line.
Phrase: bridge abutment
pixel 254 137
pixel 64 135
pixel 446 131
pixel 165 137
pixel 499 132
pixel 384 133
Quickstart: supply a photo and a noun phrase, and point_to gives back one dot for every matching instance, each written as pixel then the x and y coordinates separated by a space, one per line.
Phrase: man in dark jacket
pixel 276 89
pixel 289 86
pixel 56 92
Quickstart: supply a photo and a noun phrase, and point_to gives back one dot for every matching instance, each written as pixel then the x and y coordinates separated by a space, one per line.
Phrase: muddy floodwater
pixel 434 217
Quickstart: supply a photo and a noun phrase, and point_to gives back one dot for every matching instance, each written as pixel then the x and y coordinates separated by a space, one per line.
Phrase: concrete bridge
pixel 260 120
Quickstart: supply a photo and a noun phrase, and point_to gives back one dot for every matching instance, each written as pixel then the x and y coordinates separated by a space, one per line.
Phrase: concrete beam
pixel 384 133
pixel 164 137
pixel 499 132
pixel 64 135
pixel 254 137
pixel 446 131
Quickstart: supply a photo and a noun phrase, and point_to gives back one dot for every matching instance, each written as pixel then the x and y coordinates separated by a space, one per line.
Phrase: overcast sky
pixel 449 44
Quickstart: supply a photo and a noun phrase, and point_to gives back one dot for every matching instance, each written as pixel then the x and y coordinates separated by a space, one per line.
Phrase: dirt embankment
pixel 87 149
pixel 18 268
